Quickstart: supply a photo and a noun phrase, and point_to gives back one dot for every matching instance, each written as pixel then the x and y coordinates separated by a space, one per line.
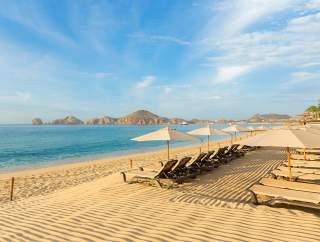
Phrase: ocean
pixel 27 146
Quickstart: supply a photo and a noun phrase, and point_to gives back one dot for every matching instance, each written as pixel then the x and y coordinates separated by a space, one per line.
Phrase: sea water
pixel 27 146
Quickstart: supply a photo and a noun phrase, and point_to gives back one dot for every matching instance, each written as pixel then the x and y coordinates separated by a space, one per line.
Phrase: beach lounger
pixel 299 186
pixel 230 153
pixel 309 157
pixel 300 170
pixel 150 175
pixel 269 195
pixel 203 163
pixel 297 176
pixel 218 156
pixel 308 151
pixel 178 171
pixel 303 164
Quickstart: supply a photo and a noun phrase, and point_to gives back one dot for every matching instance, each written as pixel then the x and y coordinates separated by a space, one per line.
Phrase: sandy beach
pixel 90 202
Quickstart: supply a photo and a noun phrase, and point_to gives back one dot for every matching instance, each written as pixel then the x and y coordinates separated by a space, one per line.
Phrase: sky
pixel 177 58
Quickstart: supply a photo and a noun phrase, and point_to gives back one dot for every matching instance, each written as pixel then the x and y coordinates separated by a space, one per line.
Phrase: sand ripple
pixel 213 207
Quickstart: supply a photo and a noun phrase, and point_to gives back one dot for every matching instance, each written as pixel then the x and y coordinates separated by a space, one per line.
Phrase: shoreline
pixel 100 158
pixel 46 180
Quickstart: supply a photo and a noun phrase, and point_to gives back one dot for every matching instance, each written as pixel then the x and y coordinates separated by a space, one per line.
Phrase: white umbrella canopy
pixel 261 128
pixel 208 131
pixel 236 128
pixel 166 134
pixel 295 138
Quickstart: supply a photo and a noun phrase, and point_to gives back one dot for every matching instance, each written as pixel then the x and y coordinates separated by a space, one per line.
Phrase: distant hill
pixel 140 117
pixel 268 117
pixel 69 120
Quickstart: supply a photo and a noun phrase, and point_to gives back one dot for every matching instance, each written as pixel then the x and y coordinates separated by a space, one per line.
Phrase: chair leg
pixel 124 176
pixel 254 199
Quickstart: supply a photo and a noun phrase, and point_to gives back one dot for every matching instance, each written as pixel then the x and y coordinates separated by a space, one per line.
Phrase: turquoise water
pixel 25 146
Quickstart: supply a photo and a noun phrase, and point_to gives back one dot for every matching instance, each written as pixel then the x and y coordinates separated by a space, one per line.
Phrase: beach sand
pixel 213 207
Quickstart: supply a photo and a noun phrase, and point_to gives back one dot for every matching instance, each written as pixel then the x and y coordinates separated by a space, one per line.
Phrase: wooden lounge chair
pixel 300 170
pixel 308 151
pixel 201 160
pixel 221 156
pixel 178 171
pixel 297 176
pixel 299 186
pixel 308 157
pixel 150 175
pixel 303 164
pixel 195 160
pixel 272 195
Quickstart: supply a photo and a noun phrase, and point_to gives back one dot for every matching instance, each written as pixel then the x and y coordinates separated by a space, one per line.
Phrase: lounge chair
pixel 308 157
pixel 272 195
pixel 303 164
pixel 202 164
pixel 150 175
pixel 178 171
pixel 308 151
pixel 297 176
pixel 220 156
pixel 300 170
pixel 230 153
pixel 299 186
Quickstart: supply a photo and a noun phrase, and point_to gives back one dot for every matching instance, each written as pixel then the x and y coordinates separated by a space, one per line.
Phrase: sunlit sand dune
pixel 215 206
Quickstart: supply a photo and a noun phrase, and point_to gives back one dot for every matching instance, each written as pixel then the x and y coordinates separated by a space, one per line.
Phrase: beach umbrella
pixel 289 138
pixel 207 131
pixel 166 134
pixel 261 128
pixel 234 129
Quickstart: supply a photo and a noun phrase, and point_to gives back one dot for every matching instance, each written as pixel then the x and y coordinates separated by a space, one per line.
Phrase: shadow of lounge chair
pixel 150 175
pixel 272 192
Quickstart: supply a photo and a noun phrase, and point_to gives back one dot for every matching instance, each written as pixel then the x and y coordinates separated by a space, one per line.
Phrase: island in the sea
pixel 144 117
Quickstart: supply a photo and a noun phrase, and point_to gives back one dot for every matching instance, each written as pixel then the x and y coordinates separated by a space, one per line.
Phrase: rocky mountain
pixel 268 117
pixel 37 121
pixel 141 117
pixel 69 120
pixel 102 121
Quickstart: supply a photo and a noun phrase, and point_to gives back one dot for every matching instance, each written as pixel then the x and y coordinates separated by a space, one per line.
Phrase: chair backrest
pixel 167 166
pixel 181 163
pixel 235 147
pixel 222 151
pixel 215 153
pixel 197 159
pixel 207 156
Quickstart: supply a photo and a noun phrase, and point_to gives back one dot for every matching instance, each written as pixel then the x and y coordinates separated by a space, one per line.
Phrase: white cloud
pixel 229 73
pixel 17 97
pixel 313 4
pixel 166 38
pixel 30 15
pixel 146 82
pixel 237 15
pixel 167 90
pixel 305 75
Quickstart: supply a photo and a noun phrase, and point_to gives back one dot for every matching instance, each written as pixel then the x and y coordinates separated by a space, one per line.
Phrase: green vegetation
pixel 313 109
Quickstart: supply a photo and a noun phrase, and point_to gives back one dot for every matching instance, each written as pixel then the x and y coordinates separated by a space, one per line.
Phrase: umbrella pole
pixel 208 144
pixel 305 154
pixel 289 163
pixel 168 149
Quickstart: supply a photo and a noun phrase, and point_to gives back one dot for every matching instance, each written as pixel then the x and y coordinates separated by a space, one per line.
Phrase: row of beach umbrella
pixel 170 134
pixel 280 136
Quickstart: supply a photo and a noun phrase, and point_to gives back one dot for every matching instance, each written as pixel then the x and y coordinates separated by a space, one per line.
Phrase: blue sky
pixel 190 59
